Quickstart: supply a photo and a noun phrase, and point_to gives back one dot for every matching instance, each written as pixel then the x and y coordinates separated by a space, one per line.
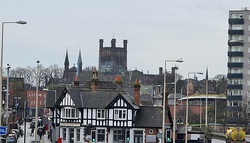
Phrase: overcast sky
pixel 156 30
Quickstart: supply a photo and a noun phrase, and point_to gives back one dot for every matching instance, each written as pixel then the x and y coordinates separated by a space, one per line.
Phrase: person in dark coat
pixel 40 132
pixel 32 132
pixel 21 132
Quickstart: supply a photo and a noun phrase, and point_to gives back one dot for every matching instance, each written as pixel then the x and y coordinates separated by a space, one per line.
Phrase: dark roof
pixel 96 99
pixel 149 117
pixel 90 99
pixel 52 96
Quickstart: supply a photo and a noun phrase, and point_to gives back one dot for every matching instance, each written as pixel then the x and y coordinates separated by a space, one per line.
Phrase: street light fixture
pixel 164 98
pixel 37 79
pixel 174 126
pixel 1 66
pixel 186 130
pixel 7 95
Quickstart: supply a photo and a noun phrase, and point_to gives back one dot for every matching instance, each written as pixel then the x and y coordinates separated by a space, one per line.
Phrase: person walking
pixel 21 132
pixel 32 132
pixel 40 132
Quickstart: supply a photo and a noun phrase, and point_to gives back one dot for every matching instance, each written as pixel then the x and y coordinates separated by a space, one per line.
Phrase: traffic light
pixel 87 130
pixel 93 136
pixel 168 135
pixel 127 134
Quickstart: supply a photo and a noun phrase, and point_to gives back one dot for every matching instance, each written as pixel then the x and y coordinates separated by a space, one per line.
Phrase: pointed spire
pixel 207 74
pixel 79 63
pixel 66 62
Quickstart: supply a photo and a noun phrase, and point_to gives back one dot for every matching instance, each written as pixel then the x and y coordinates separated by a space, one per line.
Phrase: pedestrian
pixel 32 132
pixel 21 133
pixel 40 132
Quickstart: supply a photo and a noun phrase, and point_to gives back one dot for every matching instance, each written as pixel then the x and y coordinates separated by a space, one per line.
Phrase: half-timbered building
pixel 102 112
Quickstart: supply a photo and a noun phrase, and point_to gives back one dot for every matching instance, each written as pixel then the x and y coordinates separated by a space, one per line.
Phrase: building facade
pixel 102 112
pixel 238 65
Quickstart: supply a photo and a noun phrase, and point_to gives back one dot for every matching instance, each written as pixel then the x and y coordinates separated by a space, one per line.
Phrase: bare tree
pixel 244 112
pixel 29 74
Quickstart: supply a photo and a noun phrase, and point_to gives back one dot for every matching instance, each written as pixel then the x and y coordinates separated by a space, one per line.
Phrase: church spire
pixel 66 62
pixel 79 63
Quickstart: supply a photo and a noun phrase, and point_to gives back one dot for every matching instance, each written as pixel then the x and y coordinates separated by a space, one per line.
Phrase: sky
pixel 156 30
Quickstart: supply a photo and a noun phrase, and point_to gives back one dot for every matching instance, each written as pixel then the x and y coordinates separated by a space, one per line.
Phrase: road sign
pixel 6 115
pixel 3 130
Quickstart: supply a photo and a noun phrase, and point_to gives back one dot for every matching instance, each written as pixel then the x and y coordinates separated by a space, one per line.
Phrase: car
pixel 16 131
pixel 12 135
pixel 10 139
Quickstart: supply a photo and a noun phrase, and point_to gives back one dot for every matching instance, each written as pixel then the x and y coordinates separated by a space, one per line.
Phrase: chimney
pixel 118 80
pixel 137 87
pixel 93 86
pixel 113 43
pixel 94 80
pixel 76 81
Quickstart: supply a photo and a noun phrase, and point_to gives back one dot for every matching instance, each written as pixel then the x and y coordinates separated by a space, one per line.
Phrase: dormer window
pixel 120 114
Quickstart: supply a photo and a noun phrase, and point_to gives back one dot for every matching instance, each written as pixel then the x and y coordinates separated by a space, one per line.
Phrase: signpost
pixel 3 130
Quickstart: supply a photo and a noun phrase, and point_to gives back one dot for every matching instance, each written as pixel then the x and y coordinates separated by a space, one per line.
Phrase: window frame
pixel 120 114
pixel 100 113
pixel 101 135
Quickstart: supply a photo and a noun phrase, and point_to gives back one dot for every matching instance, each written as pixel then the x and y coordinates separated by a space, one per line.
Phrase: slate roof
pixel 149 116
pixel 88 98
pixel 50 99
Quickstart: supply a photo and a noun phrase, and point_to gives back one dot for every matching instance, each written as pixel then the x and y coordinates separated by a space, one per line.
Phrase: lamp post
pixel 186 130
pixel 174 126
pixel 37 74
pixel 7 95
pixel 164 98
pixel 1 67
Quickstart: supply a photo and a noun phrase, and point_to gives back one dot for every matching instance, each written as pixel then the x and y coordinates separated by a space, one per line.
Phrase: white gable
pixel 67 101
pixel 120 103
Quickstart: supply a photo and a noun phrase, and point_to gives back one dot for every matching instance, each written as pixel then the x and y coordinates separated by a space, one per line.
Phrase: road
pixel 31 138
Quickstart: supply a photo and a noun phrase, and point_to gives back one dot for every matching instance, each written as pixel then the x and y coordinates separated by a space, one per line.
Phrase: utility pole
pixel 24 139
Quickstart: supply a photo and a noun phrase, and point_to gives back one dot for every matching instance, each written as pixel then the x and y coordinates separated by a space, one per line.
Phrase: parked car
pixel 12 135
pixel 10 139
pixel 16 131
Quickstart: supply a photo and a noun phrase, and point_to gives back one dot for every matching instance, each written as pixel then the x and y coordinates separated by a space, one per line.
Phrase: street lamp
pixel 37 79
pixel 1 67
pixel 164 98
pixel 186 130
pixel 7 96
pixel 174 126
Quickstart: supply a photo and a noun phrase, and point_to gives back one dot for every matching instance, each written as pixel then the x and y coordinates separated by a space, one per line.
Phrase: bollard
pixel 59 140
